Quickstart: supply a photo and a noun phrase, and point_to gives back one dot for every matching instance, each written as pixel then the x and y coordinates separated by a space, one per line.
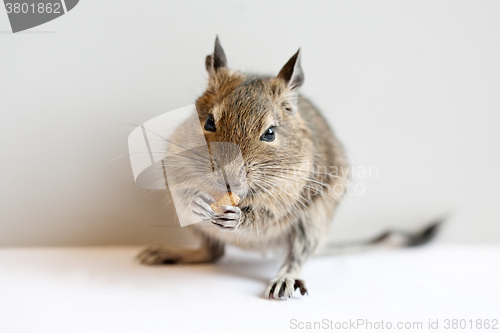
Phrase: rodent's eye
pixel 210 124
pixel 269 135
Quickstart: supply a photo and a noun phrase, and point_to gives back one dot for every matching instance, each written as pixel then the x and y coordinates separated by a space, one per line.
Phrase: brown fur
pixel 290 187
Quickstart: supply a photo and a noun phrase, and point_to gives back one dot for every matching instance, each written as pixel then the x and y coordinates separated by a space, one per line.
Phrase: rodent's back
pixel 324 140
pixel 329 174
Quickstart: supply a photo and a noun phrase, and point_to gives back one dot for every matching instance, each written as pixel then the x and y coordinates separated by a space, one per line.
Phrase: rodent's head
pixel 259 115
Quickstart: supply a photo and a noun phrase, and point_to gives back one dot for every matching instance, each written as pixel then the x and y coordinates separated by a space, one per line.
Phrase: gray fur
pixel 286 203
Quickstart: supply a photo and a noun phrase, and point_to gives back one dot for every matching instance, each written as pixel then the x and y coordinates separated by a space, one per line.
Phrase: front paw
pixel 200 206
pixel 229 218
pixel 283 287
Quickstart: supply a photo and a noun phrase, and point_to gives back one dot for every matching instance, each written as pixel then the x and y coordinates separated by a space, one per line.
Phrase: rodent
pixel 290 180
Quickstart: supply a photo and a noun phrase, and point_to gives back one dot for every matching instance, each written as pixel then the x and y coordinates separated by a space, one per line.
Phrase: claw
pixel 200 207
pixel 283 288
pixel 299 284
pixel 222 225
pixel 228 217
pixel 230 209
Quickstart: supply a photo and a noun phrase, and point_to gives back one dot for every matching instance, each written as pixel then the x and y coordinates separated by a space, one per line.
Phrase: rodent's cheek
pixel 249 181
pixel 209 136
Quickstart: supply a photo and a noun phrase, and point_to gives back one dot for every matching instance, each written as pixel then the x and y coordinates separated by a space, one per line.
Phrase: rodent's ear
pixel 217 59
pixel 292 72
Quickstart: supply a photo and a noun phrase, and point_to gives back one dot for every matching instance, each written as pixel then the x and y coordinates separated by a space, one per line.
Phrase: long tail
pixel 388 239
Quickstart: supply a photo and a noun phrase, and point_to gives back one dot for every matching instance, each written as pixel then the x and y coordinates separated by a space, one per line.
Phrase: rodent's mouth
pixel 240 193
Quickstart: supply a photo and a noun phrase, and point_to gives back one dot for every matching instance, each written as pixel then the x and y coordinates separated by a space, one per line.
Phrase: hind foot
pixel 160 255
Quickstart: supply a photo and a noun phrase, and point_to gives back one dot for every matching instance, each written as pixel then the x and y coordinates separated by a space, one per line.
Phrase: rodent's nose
pixel 235 185
pixel 232 186
pixel 231 178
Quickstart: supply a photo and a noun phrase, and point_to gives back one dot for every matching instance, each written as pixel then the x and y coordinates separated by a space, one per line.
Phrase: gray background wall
pixel 410 87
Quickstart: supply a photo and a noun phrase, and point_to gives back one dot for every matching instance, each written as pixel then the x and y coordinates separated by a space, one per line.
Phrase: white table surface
pixel 101 289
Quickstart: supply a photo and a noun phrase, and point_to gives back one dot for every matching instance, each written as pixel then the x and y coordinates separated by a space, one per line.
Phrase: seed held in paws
pixel 224 199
